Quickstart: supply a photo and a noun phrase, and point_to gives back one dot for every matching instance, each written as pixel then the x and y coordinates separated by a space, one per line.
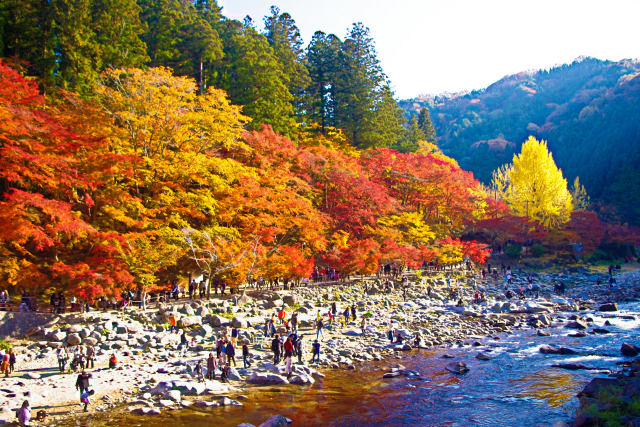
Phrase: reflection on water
pixel 555 387
pixel 516 387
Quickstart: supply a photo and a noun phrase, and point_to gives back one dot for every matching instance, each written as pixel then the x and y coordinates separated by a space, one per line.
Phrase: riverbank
pixel 150 366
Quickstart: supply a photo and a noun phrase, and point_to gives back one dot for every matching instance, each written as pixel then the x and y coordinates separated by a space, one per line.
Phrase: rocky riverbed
pixel 153 377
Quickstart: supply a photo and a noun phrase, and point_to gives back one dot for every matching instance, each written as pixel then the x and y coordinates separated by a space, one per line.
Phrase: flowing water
pixel 516 387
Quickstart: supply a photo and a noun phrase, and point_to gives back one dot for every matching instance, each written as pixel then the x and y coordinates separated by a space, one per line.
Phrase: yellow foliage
pixel 537 188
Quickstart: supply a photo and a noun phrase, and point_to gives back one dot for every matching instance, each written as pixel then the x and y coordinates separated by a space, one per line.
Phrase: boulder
pixel 353 332
pixel 56 336
pixel 629 350
pixel 302 379
pixel 146 411
pixel 73 339
pixel 266 378
pixel 457 368
pixel 609 306
pixel 542 333
pixel 597 385
pixel 189 321
pixel 74 329
pixel 218 321
pixel 549 349
pixel 577 324
pixel 290 300
pixel 276 421
pixel 482 356
pixel 174 395
pixel 571 366
pixel 236 322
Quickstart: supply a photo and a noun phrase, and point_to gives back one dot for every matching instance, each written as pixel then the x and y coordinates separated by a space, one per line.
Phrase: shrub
pixel 537 250
pixel 513 251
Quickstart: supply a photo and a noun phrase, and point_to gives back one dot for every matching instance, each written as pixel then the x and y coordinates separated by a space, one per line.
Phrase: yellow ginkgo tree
pixel 536 187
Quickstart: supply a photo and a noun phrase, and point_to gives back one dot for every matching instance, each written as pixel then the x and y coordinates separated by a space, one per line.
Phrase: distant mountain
pixel 588 111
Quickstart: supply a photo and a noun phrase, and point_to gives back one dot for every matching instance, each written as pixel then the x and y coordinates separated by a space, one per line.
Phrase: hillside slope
pixel 588 111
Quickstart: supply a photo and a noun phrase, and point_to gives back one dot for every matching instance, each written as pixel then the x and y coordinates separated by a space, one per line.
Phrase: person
pixel 198 371
pixel 234 336
pixel 294 322
pixel 418 340
pixel 281 314
pixel 113 361
pixel 334 308
pixel 62 358
pixel 184 342
pixel 24 414
pixel 353 311
pixel 288 354
pixel 390 334
pixel 315 351
pixel 219 352
pixel 231 354
pixel 4 300
pixel 245 354
pixel 172 324
pixel 267 328
pixel 319 326
pixel 82 382
pixel 84 399
pixel 330 317
pixel 363 326
pixel 299 348
pixel 225 371
pixel 211 367
pixel 275 348
pixel 91 356
pixel 12 360
pixel 346 315
pixel 4 363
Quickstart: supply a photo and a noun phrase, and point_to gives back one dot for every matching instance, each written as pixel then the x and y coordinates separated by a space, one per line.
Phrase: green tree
pixel 284 37
pixel 387 122
pixel 358 85
pixel 253 77
pixel 426 125
pixel 412 135
pixel 323 55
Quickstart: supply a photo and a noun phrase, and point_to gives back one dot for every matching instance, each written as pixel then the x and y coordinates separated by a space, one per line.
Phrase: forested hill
pixel 589 111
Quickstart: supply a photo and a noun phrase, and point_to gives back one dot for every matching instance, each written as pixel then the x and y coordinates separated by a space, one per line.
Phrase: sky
pixel 431 47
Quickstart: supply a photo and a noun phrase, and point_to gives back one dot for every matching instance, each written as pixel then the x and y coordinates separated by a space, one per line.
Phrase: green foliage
pixel 4 345
pixel 537 250
pixel 426 125
pixel 513 250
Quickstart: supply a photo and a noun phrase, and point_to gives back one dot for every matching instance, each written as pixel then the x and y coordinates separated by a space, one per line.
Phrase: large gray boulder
pixel 189 321
pixel 236 322
pixel 218 320
pixel 266 378
pixel 73 339
pixel 290 300
pixel 609 306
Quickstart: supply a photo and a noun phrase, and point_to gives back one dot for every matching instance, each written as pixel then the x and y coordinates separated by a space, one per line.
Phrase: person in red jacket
pixel 288 354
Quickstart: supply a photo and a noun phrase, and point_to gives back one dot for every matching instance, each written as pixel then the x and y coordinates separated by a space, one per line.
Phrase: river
pixel 516 387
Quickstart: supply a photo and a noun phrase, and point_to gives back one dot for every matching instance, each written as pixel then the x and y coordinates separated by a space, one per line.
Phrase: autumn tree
pixel 537 188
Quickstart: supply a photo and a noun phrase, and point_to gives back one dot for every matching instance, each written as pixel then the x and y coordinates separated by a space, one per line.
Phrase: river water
pixel 516 387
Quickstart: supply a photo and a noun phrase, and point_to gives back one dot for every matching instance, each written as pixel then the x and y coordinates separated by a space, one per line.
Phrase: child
pixel 84 398
pixel 113 361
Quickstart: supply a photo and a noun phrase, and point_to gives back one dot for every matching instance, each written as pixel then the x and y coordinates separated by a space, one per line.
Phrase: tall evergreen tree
pixel 284 37
pixel 323 55
pixel 253 77
pixel 425 123
pixel 357 86
pixel 387 123
pixel 412 135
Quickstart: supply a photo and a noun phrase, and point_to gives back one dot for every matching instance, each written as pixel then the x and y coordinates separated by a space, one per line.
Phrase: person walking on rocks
pixel 62 359
pixel 211 367
pixel 12 360
pixel 299 348
pixel 334 308
pixel 231 354
pixel 172 324
pixel 275 348
pixel 319 326
pixel 198 371
pixel 315 349
pixel 91 356
pixel 363 325
pixel 82 382
pixel 346 315
pixel 281 315
pixel 294 322
pixel 288 354
pixel 4 364
pixel 234 336
pixel 184 342
pixel 245 354
pixel 219 352
pixel 353 311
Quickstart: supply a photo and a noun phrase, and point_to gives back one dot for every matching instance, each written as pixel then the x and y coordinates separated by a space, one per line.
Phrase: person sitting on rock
pixel 417 342
pixel 24 414
pixel 113 361
pixel 399 337
pixel 225 373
